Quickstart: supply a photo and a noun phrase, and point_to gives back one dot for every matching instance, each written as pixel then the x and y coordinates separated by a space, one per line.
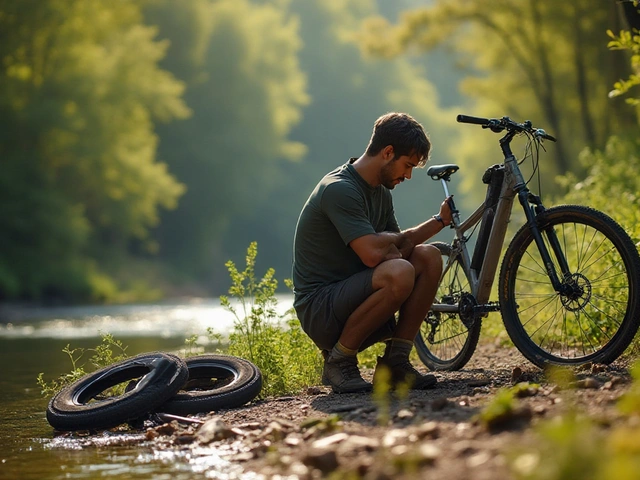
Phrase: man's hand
pixel 445 211
pixel 406 247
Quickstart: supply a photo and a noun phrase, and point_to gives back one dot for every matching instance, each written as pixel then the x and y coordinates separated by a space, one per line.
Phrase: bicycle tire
pixel 581 326
pixel 454 350
pixel 76 407
pixel 238 381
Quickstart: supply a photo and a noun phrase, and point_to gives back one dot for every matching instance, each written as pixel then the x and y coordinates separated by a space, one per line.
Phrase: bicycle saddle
pixel 438 172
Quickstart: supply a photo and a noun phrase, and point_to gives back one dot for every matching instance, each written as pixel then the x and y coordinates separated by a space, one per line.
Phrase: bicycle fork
pixel 526 198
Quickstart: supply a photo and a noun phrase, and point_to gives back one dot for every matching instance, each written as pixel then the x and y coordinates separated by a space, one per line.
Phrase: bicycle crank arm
pixel 486 308
pixel 477 309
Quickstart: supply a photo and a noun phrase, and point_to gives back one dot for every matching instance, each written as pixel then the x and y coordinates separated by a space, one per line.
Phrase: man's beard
pixel 386 176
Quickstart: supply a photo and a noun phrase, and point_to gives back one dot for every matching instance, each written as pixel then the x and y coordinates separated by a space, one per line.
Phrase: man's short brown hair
pixel 403 133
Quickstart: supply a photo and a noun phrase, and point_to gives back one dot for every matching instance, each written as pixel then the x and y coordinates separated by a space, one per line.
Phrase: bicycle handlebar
pixel 505 123
pixel 473 120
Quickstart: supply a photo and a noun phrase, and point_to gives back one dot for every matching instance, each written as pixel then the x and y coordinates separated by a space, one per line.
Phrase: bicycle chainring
pixel 467 306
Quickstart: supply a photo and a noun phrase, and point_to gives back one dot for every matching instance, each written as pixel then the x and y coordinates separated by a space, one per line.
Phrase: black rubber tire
pixel 456 348
pixel 584 326
pixel 160 376
pixel 241 382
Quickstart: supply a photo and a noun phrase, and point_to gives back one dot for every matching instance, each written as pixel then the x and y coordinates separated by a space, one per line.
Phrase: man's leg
pixel 392 283
pixel 427 263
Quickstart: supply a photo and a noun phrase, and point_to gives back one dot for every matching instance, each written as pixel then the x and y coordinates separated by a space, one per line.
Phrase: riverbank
pixel 429 434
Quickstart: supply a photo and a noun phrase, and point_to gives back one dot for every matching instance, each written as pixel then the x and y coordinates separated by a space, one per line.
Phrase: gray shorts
pixel 324 313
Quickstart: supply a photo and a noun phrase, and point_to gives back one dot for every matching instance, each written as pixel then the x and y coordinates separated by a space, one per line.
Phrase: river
pixel 31 342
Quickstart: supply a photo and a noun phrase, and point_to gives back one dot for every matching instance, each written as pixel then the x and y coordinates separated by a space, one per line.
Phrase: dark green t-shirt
pixel 341 208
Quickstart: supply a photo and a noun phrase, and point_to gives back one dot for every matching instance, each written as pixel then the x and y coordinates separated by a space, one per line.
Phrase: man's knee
pixel 397 275
pixel 427 258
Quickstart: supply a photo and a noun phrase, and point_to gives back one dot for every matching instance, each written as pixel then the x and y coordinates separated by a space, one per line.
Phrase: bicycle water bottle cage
pixel 439 172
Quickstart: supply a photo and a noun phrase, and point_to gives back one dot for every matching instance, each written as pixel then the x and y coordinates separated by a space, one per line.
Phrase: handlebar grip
pixel 473 120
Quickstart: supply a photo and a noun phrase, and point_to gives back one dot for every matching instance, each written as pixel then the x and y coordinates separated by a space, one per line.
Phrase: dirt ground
pixel 427 434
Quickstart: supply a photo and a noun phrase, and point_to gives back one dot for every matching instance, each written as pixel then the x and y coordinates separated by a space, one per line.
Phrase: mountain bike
pixel 568 287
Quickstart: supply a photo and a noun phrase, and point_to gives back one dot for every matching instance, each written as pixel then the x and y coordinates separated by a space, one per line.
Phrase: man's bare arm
pixel 376 248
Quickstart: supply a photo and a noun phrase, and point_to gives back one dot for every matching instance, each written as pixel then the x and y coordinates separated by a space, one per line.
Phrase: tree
pixel 78 105
pixel 542 59
pixel 244 85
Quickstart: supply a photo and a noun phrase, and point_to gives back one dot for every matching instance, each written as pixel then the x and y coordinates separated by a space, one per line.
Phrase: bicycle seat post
pixel 455 218
pixel 444 185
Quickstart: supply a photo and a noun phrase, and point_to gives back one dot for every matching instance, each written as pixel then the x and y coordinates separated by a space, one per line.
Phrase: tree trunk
pixel 581 76
pixel 548 102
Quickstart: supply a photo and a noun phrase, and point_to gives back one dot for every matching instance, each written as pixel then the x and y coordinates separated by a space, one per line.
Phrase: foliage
pixel 79 173
pixel 287 358
pixel 240 64
pixel 104 354
pixel 609 185
pixel 545 60
pixel 628 40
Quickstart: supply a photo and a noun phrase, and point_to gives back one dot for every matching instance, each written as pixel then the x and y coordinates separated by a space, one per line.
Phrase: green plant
pixel 287 358
pixel 105 353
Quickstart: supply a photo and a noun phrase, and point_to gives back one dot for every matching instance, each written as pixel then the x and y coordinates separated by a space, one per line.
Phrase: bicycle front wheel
pixel 595 313
pixel 446 341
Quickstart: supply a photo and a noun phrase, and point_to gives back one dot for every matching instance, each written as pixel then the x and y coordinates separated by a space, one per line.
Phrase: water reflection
pixel 33 343
pixel 162 320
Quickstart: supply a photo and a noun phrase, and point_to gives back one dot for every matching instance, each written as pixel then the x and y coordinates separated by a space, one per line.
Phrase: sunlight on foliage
pixel 287 358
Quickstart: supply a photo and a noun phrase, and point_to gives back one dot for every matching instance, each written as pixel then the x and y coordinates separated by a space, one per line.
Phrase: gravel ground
pixel 426 434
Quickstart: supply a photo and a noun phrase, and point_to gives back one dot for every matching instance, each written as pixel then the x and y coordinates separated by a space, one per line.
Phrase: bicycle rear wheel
pixel 444 342
pixel 596 314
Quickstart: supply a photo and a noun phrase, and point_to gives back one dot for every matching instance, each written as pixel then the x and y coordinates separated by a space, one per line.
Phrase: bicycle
pixel 568 287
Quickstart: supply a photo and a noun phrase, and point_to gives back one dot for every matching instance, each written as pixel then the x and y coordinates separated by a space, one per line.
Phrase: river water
pixel 31 342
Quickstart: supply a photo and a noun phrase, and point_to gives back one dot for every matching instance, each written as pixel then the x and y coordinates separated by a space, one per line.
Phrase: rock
pixel 314 391
pixel 516 374
pixel 464 448
pixel 357 443
pixel 439 404
pixel 184 439
pixel 167 428
pixel 478 459
pixel 613 382
pixel 404 414
pixel 540 409
pixel 329 441
pixel 299 470
pixel 293 440
pixel 428 430
pixel 324 460
pixel 479 382
pixel 588 382
pixel 395 436
pixel 428 453
pixel 212 430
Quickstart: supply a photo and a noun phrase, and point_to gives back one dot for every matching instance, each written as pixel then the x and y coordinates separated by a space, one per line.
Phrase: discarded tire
pixel 215 382
pixel 79 406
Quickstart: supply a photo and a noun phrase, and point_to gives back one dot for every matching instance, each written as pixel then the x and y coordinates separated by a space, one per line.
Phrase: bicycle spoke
pixel 580 319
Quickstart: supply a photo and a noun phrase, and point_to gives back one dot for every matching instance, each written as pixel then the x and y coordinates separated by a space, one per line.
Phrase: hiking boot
pixel 341 373
pixel 403 372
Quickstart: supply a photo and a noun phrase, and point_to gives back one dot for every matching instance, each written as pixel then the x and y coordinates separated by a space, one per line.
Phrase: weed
pixel 287 358
pixel 107 352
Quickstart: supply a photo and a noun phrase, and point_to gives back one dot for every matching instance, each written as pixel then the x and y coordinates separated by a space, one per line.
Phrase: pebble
pixel 213 429
pixel 324 460
pixel 439 404
pixel 330 440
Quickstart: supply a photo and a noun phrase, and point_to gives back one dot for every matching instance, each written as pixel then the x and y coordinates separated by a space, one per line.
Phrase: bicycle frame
pixel 481 280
